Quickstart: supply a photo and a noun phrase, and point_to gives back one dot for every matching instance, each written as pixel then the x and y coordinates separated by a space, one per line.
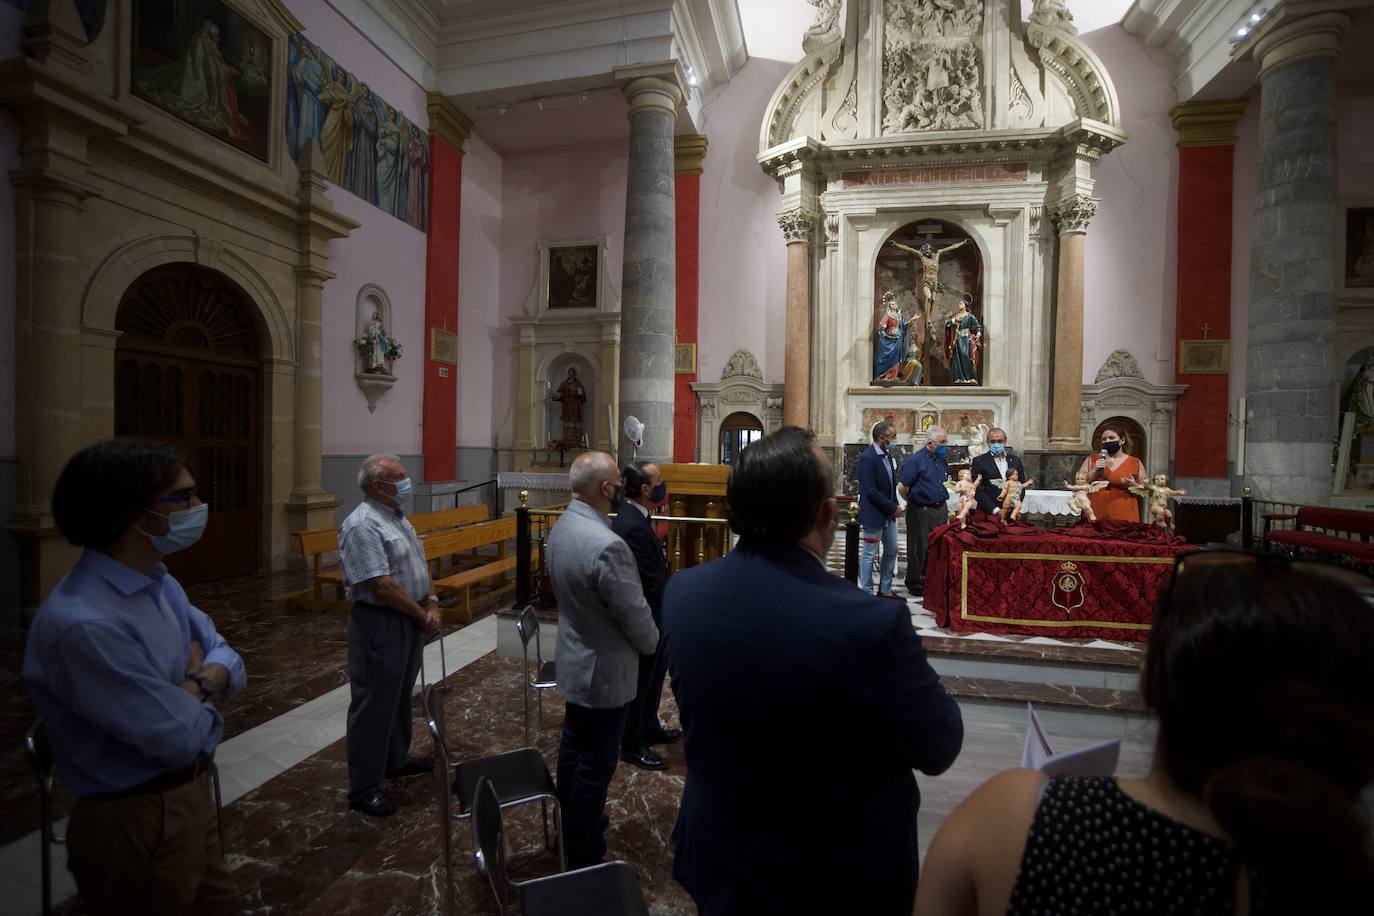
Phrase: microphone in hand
pixel 1102 463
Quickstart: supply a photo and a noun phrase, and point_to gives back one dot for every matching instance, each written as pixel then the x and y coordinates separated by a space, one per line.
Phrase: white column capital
pixel 1316 35
pixel 661 85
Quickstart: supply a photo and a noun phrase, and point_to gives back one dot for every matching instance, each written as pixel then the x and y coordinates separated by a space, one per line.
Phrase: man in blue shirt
pixel 923 484
pixel 125 672
pixel 878 510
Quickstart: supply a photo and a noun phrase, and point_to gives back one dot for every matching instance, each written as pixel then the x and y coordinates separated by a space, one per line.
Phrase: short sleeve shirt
pixel 376 540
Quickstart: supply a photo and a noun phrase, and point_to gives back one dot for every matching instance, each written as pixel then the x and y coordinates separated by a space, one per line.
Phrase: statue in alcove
pixel 963 343
pixel 929 257
pixel 891 344
pixel 377 347
pixel 571 395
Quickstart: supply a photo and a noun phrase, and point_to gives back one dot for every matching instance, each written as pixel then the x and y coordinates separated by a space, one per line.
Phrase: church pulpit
pixel 697 492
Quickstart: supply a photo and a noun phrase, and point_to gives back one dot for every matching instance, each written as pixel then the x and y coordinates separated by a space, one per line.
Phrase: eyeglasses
pixel 1362 583
pixel 185 499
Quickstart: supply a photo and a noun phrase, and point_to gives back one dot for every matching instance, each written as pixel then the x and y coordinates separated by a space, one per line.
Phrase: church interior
pixel 490 237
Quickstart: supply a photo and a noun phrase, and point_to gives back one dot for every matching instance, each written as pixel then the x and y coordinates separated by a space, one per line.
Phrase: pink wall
pixel 1130 271
pixel 479 298
pixel 743 291
pixel 569 192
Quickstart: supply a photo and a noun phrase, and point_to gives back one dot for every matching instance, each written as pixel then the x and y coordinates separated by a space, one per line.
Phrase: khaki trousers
pixel 151 854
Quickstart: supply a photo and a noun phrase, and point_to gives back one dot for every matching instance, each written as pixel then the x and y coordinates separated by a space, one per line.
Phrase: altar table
pixel 1095 582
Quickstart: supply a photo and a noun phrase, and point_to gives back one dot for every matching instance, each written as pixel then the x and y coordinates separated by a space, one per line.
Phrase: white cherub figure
pixel 965 488
pixel 1159 493
pixel 1081 488
pixel 1010 497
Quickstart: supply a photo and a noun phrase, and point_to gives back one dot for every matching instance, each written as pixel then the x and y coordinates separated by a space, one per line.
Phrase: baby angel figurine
pixel 1159 493
pixel 965 488
pixel 1010 497
pixel 1081 488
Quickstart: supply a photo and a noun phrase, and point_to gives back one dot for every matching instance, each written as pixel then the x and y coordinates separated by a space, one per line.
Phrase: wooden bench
pixel 426 522
pixel 315 544
pixel 471 537
pixel 1341 533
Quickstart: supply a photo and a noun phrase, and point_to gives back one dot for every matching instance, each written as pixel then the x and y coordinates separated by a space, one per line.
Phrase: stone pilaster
pixel 1072 216
pixel 648 288
pixel 797 227
pixel 689 152
pixel 1293 269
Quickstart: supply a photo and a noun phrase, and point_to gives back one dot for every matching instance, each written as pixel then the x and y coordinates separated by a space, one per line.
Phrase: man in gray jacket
pixel 604 626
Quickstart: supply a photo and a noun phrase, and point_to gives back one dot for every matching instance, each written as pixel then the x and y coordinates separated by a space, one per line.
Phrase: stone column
pixel 1293 267
pixel 1071 215
pixel 648 287
pixel 796 398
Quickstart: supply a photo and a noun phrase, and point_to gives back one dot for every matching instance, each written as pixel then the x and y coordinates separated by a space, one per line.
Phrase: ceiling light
pixel 1256 17
pixel 1243 31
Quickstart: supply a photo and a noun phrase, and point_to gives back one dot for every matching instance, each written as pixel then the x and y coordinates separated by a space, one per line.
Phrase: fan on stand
pixel 634 431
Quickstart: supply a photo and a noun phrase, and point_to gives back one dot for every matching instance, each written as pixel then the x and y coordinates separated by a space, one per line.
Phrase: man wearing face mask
pixel 878 510
pixel 923 484
pixel 852 673
pixel 604 626
pixel 126 673
pixel 644 489
pixel 994 466
pixel 385 573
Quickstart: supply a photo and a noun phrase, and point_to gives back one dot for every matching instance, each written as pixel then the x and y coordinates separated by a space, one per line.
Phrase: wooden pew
pixel 315 544
pixel 425 522
pixel 447 543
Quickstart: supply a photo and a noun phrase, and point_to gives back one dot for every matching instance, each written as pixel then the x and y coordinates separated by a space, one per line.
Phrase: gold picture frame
pixel 1204 357
pixel 685 358
pixel 443 346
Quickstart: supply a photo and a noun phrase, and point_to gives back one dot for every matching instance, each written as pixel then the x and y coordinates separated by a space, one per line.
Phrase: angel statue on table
pixel 1080 489
pixel 1159 493
pixel 963 343
pixel 965 488
pixel 1010 497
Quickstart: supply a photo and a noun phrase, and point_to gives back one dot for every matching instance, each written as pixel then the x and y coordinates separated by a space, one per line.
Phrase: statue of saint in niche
pixel 898 352
pixel 377 346
pixel 572 396
pixel 963 344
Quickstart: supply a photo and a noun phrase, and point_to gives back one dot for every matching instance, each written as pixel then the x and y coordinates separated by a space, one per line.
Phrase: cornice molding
pixel 688 152
pixel 447 121
pixel 1207 123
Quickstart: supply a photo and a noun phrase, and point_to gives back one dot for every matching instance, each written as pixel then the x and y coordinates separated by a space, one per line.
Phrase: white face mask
pixel 184 528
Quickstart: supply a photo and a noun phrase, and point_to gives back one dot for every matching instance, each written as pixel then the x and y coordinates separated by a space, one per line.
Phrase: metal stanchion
pixel 852 535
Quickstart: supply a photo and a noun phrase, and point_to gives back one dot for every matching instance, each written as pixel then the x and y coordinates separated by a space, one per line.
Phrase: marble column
pixel 1071 215
pixel 648 287
pixel 1294 246
pixel 797 226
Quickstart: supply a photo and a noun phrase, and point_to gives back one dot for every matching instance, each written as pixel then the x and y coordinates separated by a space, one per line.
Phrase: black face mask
pixel 1112 447
pixel 617 496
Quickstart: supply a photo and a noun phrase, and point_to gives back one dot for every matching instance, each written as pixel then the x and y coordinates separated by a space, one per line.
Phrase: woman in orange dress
pixel 1120 471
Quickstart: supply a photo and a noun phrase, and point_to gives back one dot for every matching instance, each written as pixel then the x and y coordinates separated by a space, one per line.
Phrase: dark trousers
pixel 920 522
pixel 587 757
pixel 642 717
pixel 384 650
pixel 156 853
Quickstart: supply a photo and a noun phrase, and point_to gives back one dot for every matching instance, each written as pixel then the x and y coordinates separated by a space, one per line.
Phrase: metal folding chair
pixel 544 676
pixel 44 770
pixel 608 889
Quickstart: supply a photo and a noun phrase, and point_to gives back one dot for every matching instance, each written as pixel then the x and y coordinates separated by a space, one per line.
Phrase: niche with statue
pixel 375 346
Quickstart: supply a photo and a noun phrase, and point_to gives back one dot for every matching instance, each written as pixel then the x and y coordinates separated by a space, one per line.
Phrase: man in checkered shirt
pixel 385 573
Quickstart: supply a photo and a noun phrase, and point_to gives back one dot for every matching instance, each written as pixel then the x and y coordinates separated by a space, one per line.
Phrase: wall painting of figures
pixel 209 66
pixel 369 147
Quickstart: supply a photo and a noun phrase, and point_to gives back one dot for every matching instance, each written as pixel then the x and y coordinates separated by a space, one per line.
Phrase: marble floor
pixel 294 846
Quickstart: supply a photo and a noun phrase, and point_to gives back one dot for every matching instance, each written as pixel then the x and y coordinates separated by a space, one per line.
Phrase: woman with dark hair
pixel 1262 678
pixel 1120 471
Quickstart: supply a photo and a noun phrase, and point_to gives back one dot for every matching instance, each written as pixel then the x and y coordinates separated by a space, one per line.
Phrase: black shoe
pixel 891 595
pixel 375 804
pixel 643 758
pixel 662 735
pixel 412 767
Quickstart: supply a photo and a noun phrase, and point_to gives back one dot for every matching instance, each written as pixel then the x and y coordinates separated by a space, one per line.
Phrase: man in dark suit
pixel 644 490
pixel 993 466
pixel 768 634
pixel 878 510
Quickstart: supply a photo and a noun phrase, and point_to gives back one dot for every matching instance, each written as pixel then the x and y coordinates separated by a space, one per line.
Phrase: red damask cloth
pixel 1090 581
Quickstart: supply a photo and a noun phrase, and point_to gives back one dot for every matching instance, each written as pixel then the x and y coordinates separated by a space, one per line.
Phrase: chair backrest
pixel 489 841
pixel 320 540
pixel 528 627
pixel 1351 520
pixel 607 889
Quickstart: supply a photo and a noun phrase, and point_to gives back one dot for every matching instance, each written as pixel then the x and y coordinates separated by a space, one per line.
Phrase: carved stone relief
pixel 826 28
pixel 796 225
pixel 742 362
pixel 1121 364
pixel 1053 14
pixel 1074 213
pixel 932 65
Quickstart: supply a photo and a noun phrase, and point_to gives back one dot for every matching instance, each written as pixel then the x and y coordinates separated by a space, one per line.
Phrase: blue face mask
pixel 402 490
pixel 941 450
pixel 998 449
pixel 184 528
pixel 659 494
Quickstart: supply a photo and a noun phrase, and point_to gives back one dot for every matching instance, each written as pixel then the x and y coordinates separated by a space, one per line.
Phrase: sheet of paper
pixel 1094 760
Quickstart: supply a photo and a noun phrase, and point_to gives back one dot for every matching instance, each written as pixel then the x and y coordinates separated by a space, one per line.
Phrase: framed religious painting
pixel 685 358
pixel 443 346
pixel 1359 247
pixel 1204 357
pixel 208 66
pixel 572 276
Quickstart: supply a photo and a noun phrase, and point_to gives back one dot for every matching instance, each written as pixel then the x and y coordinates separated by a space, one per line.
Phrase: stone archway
pixel 188 373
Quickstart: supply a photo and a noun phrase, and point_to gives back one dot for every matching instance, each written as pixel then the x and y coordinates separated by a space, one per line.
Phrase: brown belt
pixel 169 780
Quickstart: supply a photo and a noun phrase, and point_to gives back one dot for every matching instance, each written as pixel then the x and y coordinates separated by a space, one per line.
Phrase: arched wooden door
pixel 187 373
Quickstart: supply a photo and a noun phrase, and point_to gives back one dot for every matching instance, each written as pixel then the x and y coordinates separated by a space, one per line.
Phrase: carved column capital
pixel 797 225
pixel 1294 38
pixel 1072 214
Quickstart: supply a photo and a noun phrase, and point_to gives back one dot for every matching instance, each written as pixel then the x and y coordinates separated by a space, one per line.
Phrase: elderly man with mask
pixel 604 626
pixel 993 467
pixel 922 482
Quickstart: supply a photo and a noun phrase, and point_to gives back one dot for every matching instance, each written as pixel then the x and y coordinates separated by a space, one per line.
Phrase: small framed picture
pixel 685 358
pixel 1359 247
pixel 1204 357
pixel 443 346
pixel 572 276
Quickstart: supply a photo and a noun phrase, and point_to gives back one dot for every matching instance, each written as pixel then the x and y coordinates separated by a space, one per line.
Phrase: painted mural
pixel 209 66
pixel 369 147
